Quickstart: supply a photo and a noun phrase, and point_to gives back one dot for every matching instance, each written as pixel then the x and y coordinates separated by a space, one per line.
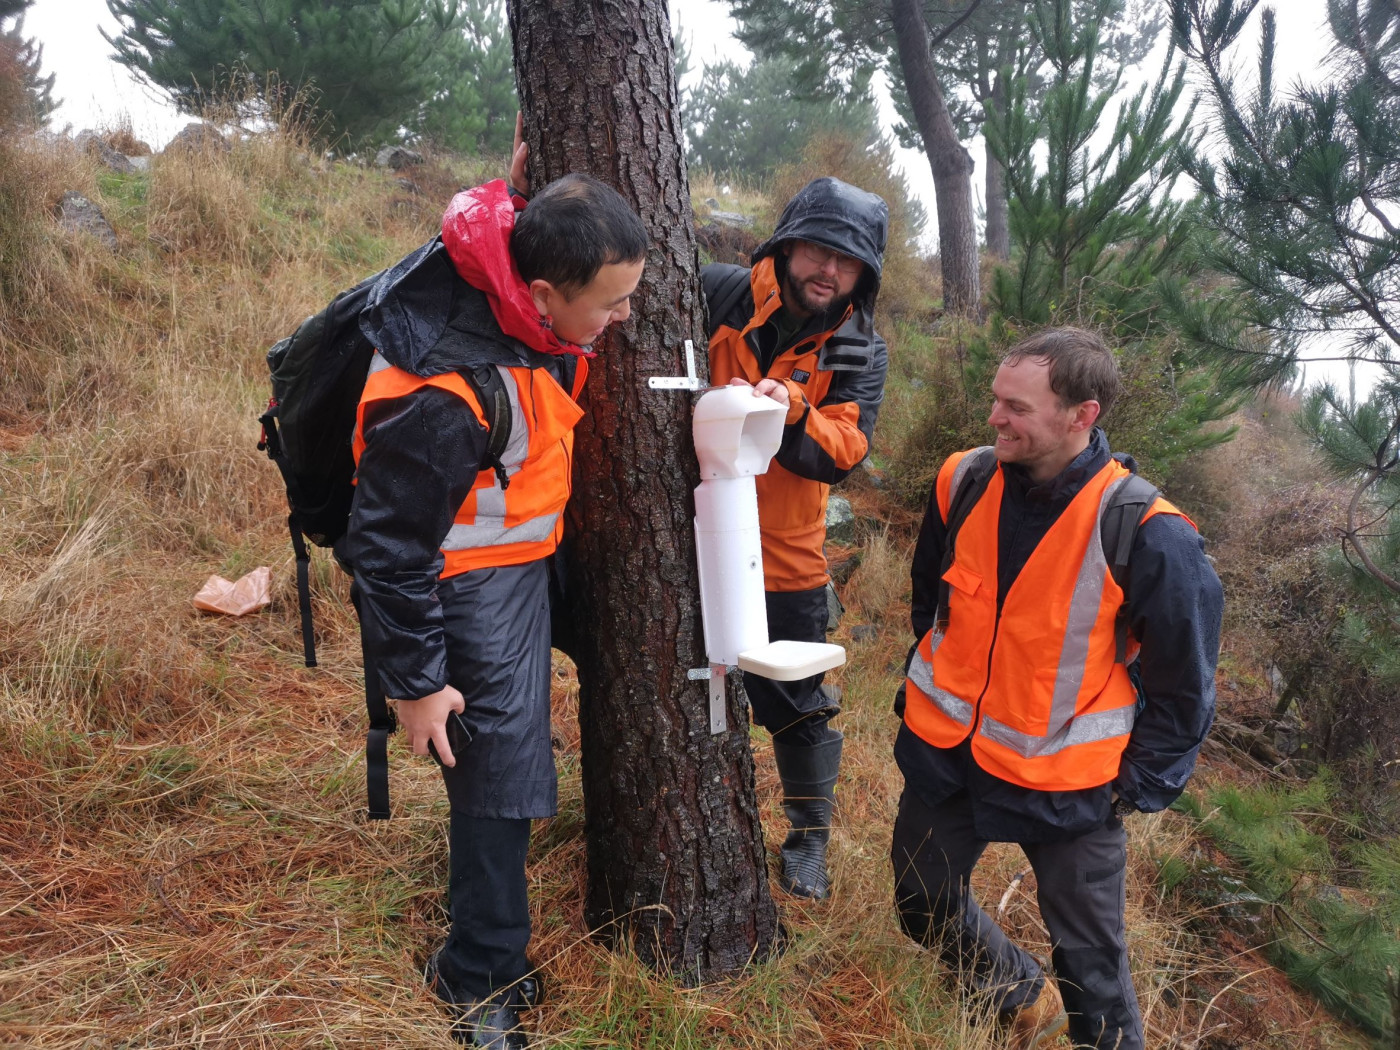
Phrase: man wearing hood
pixel 798 327
pixel 449 543
pixel 1063 678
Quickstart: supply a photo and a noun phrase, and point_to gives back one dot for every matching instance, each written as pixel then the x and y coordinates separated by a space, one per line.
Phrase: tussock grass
pixel 185 862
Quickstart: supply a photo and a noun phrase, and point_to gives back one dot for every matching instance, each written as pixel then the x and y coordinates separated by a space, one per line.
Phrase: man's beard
pixel 793 295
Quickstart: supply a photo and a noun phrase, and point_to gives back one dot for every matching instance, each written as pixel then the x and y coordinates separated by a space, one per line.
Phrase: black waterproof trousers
pixel 496 623
pixel 796 713
pixel 1081 888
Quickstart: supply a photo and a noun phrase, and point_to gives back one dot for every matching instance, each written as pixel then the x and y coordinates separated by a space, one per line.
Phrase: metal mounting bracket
pixel 714 674
pixel 689 381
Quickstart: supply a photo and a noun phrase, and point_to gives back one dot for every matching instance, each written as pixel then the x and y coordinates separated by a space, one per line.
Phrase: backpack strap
pixel 1127 507
pixel 490 389
pixel 382 724
pixel 970 479
pixel 271 443
pixel 723 294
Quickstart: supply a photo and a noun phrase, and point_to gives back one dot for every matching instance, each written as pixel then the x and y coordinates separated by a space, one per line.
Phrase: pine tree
pixel 676 867
pixel 1305 205
pixel 363 71
pixel 750 121
pixel 1099 238
pixel 26 95
pixel 473 109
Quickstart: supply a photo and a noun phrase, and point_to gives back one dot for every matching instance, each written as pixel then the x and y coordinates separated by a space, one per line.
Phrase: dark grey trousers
pixel 1081 891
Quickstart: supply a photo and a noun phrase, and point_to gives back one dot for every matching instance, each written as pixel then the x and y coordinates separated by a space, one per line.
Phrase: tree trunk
pixel 676 865
pixel 951 164
pixel 998 207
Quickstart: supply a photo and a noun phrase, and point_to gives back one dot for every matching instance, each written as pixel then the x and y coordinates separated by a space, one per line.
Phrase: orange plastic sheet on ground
pixel 249 594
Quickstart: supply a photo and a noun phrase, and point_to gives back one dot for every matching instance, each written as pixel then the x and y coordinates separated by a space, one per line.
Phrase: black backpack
pixel 1126 507
pixel 318 374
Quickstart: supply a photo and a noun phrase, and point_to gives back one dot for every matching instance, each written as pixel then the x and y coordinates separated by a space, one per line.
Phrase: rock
pixel 407 185
pixel 842 566
pixel 199 138
pixel 396 158
pixel 140 163
pixel 877 477
pixel 95 146
pixel 834 609
pixel 840 521
pixel 77 214
pixel 864 632
pixel 732 218
pixel 726 244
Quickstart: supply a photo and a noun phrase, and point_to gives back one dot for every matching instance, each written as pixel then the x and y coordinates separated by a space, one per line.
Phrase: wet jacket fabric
pixel 1174 604
pixel 833 366
pixel 420 441
pixel 1031 677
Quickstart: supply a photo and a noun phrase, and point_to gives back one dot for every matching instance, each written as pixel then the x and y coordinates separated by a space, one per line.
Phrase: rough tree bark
pixel 951 164
pixel 676 865
pixel 998 207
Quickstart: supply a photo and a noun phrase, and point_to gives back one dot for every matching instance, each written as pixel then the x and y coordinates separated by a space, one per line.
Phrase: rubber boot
pixel 808 775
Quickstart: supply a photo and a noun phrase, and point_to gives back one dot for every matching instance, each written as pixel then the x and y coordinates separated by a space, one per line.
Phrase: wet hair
pixel 1082 367
pixel 571 229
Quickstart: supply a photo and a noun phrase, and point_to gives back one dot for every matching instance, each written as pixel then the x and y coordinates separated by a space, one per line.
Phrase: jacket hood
pixel 425 320
pixel 840 216
pixel 476 230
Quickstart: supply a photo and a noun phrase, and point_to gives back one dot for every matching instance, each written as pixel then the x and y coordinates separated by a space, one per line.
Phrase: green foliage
pixel 747 122
pixel 1099 240
pixel 993 43
pixel 1330 897
pixel 26 96
pixel 1095 226
pixel 370 71
pixel 1301 205
pixel 473 109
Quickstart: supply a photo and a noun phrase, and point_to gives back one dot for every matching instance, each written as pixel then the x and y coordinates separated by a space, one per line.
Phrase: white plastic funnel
pixel 736 433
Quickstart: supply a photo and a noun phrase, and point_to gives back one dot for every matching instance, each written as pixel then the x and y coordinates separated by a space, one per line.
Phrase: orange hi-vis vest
pixel 524 521
pixel 1038 687
pixel 791 509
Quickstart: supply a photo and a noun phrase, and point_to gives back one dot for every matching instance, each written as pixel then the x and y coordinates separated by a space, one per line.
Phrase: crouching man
pixel 1063 680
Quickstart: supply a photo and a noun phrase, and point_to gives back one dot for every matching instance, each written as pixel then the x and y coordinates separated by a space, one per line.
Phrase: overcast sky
pixel 97 91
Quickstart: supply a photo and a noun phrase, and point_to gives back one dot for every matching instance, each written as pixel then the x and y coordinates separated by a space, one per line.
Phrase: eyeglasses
pixel 819 256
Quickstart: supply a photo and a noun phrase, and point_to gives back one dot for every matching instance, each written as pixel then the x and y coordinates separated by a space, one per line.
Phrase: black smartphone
pixel 458 737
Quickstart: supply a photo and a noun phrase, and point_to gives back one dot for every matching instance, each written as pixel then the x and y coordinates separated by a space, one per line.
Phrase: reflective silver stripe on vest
pixel 464 537
pixel 921 674
pixel 1064 729
pixel 377 363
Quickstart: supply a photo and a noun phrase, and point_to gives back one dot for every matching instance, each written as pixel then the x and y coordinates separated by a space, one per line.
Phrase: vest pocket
pixel 963 579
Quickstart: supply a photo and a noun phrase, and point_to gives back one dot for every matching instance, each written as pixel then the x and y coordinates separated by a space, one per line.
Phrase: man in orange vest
pixel 1055 688
pixel 798 326
pixel 450 544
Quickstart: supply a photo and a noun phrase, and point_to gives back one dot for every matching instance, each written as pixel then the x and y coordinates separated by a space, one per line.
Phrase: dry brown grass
pixel 184 859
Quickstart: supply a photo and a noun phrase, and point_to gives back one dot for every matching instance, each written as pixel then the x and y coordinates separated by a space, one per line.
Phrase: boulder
pixel 396 158
pixel 95 145
pixel 726 244
pixel 199 138
pixel 840 520
pixel 77 214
